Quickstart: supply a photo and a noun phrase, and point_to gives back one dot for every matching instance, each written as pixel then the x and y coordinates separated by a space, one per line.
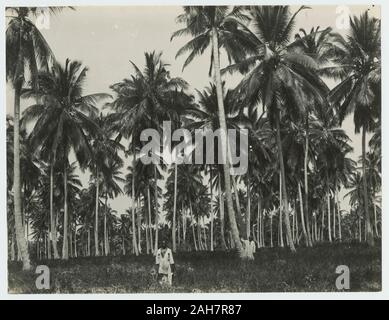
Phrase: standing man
pixel 165 263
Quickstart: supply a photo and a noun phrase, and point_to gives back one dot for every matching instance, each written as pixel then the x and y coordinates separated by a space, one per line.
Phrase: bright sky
pixel 106 38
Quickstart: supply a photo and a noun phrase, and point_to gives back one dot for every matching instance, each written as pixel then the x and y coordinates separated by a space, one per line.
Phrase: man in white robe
pixel 165 263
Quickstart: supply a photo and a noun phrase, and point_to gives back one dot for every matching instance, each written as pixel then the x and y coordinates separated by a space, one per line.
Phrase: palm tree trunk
pixel 306 194
pixel 221 206
pixel 156 210
pixel 271 230
pixel 329 214
pixel 339 216
pixel 248 213
pixel 174 209
pixel 97 253
pixel 149 212
pixel 259 227
pixel 283 180
pixel 65 249
pixel 20 239
pixel 139 223
pixel 134 242
pixel 52 222
pixel 306 238
pixel 211 205
pixel 224 141
pixel 280 231
pixel 369 231
pixel 105 225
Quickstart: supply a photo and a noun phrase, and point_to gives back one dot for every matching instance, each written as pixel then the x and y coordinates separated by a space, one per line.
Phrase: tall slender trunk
pixel 174 209
pixel 369 231
pixel 271 230
pixel 149 212
pixel 192 225
pixel 339 216
pixel 134 242
pixel 97 253
pixel 329 214
pixel 306 194
pixel 284 193
pixel 375 216
pixel 280 231
pixel 221 206
pixel 139 223
pixel 53 226
pixel 248 213
pixel 156 209
pixel 65 249
pixel 224 141
pixel 211 205
pixel 306 238
pixel 105 225
pixel 21 240
pixel 259 229
pixel 88 242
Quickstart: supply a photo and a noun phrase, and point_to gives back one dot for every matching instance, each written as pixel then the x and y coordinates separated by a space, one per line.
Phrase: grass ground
pixel 274 270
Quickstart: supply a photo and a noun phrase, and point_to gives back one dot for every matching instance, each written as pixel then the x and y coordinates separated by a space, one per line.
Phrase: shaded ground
pixel 274 270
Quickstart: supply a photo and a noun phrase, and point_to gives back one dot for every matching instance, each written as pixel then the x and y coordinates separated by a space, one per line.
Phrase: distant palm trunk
pixel 192 225
pixel 306 238
pixel 329 214
pixel 105 226
pixel 280 231
pixel 248 213
pixel 149 212
pixel 65 249
pixel 139 222
pixel 97 214
pixel 20 239
pixel 339 216
pixel 221 206
pixel 369 231
pixel 53 226
pixel 211 205
pixel 283 180
pixel 174 209
pixel 156 210
pixel 134 242
pixel 271 230
pixel 224 141
pixel 306 194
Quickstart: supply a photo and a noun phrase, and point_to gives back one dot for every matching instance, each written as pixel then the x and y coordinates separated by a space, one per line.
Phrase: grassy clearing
pixel 274 270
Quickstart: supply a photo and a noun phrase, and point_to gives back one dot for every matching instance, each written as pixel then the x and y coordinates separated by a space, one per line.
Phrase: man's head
pixel 163 245
pixel 251 238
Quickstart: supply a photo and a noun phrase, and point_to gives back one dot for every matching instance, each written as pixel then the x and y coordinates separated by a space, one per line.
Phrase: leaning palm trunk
pixel 52 222
pixel 224 141
pixel 65 249
pixel 369 231
pixel 20 239
pixel 174 209
pixel 283 183
pixel 97 253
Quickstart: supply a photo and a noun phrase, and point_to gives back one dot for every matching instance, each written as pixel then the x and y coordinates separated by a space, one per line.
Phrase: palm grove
pixel 299 157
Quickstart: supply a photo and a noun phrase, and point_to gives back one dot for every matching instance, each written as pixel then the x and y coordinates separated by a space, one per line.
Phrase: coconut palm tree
pixel 218 27
pixel 26 52
pixel 280 78
pixel 357 64
pixel 63 118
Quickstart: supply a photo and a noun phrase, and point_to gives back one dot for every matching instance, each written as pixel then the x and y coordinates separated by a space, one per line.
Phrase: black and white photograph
pixel 192 149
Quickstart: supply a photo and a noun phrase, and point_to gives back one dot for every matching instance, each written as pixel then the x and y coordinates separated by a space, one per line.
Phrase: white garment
pixel 164 261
